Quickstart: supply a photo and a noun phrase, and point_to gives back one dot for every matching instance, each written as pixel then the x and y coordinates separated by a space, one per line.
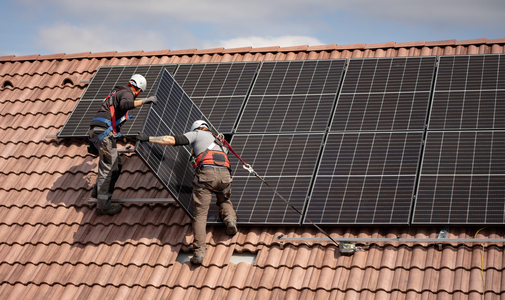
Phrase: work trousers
pixel 109 169
pixel 217 178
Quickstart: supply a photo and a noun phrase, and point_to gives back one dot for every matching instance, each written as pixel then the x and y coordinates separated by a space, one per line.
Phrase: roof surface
pixel 53 246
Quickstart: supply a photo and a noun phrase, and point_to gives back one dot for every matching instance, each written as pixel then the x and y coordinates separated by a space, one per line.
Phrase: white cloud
pixel 256 41
pixel 67 38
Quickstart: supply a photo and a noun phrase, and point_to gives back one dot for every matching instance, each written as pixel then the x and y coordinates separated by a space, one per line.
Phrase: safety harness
pixel 213 158
pixel 112 125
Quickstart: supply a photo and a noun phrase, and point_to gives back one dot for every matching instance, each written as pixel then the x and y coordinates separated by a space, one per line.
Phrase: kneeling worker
pixel 212 176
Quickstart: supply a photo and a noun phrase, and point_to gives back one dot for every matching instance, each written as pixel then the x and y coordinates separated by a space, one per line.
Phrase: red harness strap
pixel 212 157
pixel 113 112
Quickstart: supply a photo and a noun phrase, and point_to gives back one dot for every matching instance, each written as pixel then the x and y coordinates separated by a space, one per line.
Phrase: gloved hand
pixel 150 100
pixel 142 137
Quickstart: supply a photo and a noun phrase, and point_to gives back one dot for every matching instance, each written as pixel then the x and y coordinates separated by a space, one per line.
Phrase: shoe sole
pixel 231 230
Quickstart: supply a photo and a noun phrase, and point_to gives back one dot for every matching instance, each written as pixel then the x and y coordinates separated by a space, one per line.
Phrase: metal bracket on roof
pixel 398 239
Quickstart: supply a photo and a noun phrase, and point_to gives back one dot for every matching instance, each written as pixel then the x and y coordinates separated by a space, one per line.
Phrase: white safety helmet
pixel 138 81
pixel 198 124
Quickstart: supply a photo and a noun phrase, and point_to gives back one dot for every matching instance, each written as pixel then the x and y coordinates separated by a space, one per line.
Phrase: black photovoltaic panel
pixel 173 115
pixel 105 79
pixel 366 178
pixel 463 169
pixel 292 96
pixel 469 93
pixel 385 94
pixel 219 89
pixel 462 178
pixel 287 162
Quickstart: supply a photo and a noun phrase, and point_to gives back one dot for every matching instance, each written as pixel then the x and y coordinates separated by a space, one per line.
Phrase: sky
pixel 74 26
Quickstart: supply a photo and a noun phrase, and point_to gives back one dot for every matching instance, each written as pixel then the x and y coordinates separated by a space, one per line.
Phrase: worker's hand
pixel 150 100
pixel 142 137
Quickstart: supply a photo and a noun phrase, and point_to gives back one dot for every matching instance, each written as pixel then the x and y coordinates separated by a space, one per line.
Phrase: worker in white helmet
pixel 212 176
pixel 104 129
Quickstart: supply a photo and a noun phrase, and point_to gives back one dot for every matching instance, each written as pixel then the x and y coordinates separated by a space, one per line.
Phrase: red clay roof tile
pixel 6 58
pixel 51 56
pixel 25 57
pixel 77 55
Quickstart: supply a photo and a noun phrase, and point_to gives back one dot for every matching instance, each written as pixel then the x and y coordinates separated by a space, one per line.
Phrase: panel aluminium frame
pixel 173 115
pixel 105 79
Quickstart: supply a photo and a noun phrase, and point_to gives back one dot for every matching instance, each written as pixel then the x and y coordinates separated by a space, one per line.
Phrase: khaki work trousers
pixel 218 178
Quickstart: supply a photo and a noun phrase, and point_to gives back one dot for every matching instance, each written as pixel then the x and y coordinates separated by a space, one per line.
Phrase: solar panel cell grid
pixel 218 89
pixel 468 94
pixel 366 178
pixel 462 178
pixel 292 97
pixel 387 94
pixel 287 162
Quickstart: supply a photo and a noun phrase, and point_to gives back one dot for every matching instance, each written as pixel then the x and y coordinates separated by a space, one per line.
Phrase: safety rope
pixel 251 171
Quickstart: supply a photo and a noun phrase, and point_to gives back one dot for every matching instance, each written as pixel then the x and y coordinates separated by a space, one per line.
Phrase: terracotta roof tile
pixel 265 49
pixel 182 52
pixel 6 58
pixel 108 54
pixel 51 56
pixel 25 57
pixel 129 53
pixel 77 55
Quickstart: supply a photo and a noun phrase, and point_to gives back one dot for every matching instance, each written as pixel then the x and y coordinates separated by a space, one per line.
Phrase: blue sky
pixel 74 26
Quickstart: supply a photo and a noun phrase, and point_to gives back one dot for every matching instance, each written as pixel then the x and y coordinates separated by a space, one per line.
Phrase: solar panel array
pixel 369 165
pixel 105 79
pixel 281 133
pixel 399 140
pixel 463 170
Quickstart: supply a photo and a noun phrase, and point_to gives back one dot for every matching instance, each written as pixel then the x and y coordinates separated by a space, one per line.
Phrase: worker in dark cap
pixel 104 129
pixel 212 176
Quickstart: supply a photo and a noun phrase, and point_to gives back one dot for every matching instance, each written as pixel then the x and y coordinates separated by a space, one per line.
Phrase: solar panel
pixel 287 162
pixel 173 115
pixel 292 97
pixel 462 172
pixel 469 93
pixel 462 178
pixel 105 79
pixel 219 89
pixel 385 94
pixel 366 178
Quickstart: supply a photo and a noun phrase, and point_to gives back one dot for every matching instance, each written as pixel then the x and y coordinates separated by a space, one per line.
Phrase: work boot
pixel 231 228
pixel 196 260
pixel 112 210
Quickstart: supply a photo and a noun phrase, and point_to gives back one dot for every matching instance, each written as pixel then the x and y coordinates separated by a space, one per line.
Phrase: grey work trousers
pixel 218 178
pixel 109 169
